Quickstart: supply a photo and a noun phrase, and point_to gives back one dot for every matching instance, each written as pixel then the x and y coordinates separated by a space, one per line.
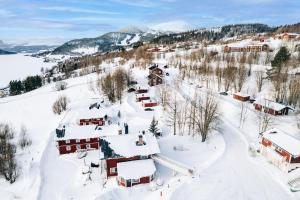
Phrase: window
pixel 77 141
pixel 113 170
pixel 67 141
pixel 88 140
pixel 88 146
pixel 78 147
pixel 135 180
pixel 68 148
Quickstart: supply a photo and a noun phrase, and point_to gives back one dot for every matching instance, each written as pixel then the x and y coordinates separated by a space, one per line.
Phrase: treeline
pixel 210 35
pixel 30 83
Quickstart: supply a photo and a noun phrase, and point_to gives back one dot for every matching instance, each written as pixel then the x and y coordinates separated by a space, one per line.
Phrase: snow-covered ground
pixel 223 166
pixel 18 66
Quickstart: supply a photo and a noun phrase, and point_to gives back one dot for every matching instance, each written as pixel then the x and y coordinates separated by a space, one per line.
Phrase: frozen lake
pixel 18 66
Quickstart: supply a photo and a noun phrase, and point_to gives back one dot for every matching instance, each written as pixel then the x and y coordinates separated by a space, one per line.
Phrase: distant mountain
pixel 294 28
pixel 214 34
pixel 108 42
pixel 3 52
pixel 24 48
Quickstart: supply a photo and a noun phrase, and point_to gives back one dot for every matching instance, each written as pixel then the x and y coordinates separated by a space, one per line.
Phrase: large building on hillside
pixel 155 76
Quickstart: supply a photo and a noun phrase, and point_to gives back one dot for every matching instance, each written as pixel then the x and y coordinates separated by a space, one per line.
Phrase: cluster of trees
pixel 206 35
pixel 60 105
pixel 197 116
pixel 30 83
pixel 113 85
pixel 8 164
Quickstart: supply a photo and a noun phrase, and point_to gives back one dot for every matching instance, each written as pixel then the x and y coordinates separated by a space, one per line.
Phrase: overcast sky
pixel 52 21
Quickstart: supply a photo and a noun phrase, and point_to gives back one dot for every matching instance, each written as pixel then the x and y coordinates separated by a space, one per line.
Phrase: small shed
pixel 149 103
pixel 241 97
pixel 141 97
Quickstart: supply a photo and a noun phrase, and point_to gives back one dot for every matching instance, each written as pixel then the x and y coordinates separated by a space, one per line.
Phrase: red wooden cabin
pixel 129 148
pixel 92 117
pixel 149 103
pixel 281 149
pixel 271 107
pixel 241 97
pixel 76 138
pixel 144 172
pixel 141 97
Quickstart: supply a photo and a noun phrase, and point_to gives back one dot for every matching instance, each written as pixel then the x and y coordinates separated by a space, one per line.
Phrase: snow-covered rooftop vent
pixel 140 142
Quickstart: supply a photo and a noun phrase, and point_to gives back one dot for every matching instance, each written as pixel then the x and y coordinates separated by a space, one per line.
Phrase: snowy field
pixel 18 66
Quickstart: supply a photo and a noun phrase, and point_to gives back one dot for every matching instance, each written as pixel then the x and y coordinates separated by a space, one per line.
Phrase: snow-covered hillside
pixel 18 66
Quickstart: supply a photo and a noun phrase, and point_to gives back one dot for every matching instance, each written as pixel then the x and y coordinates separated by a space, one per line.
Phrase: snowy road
pixel 234 175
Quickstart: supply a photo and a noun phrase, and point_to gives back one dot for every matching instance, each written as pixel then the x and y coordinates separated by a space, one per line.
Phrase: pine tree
pixel 281 57
pixel 153 127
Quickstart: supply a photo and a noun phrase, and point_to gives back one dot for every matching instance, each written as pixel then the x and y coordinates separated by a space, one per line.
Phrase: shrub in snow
pixel 8 163
pixel 60 105
pixel 61 85
pixel 24 140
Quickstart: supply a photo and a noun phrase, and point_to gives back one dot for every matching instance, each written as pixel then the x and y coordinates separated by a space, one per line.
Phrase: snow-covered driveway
pixel 233 176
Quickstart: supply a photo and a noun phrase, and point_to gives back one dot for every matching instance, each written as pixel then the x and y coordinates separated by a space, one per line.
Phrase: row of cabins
pixel 143 97
pixel 249 48
pixel 264 105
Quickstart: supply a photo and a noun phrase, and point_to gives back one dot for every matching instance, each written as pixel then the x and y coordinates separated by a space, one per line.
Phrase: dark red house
pixel 71 139
pixel 281 149
pixel 124 151
pixel 141 97
pixel 155 76
pixel 149 103
pixel 92 117
pixel 271 107
pixel 241 97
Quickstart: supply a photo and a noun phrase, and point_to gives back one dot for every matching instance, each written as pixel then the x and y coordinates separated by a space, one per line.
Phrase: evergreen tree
pixel 281 57
pixel 15 87
pixel 153 127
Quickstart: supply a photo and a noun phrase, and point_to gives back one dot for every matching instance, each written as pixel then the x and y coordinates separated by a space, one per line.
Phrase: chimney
pixel 140 142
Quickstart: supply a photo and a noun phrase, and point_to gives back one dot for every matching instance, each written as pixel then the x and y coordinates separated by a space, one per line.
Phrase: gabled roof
pixel 283 140
pixel 87 132
pixel 241 94
pixel 125 145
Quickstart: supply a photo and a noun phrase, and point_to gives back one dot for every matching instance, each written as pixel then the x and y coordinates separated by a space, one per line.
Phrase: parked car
pixel 149 109
pixel 251 100
pixel 131 90
pixel 223 93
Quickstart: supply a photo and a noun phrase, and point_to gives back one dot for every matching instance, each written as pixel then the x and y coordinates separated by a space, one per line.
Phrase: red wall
pixel 283 153
pixel 62 145
pixel 110 163
pixel 147 105
pixel 143 98
pixel 99 122
pixel 240 97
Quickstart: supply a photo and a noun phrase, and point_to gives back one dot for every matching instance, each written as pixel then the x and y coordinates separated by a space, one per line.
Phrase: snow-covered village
pixel 195 107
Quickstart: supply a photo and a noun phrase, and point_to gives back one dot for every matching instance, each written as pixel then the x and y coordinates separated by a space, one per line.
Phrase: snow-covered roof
pixel 91 113
pixel 125 145
pixel 148 101
pixel 79 132
pixel 241 94
pixel 85 132
pixel 142 95
pixel 270 104
pixel 283 140
pixel 136 169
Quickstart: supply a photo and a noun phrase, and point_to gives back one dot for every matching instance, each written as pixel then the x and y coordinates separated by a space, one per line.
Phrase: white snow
pixel 136 169
pixel 79 132
pixel 125 145
pixel 283 140
pixel 19 66
pixel 270 104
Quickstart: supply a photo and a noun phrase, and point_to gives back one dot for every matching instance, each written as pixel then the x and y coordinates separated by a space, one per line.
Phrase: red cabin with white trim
pixel 149 103
pixel 241 97
pixel 281 149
